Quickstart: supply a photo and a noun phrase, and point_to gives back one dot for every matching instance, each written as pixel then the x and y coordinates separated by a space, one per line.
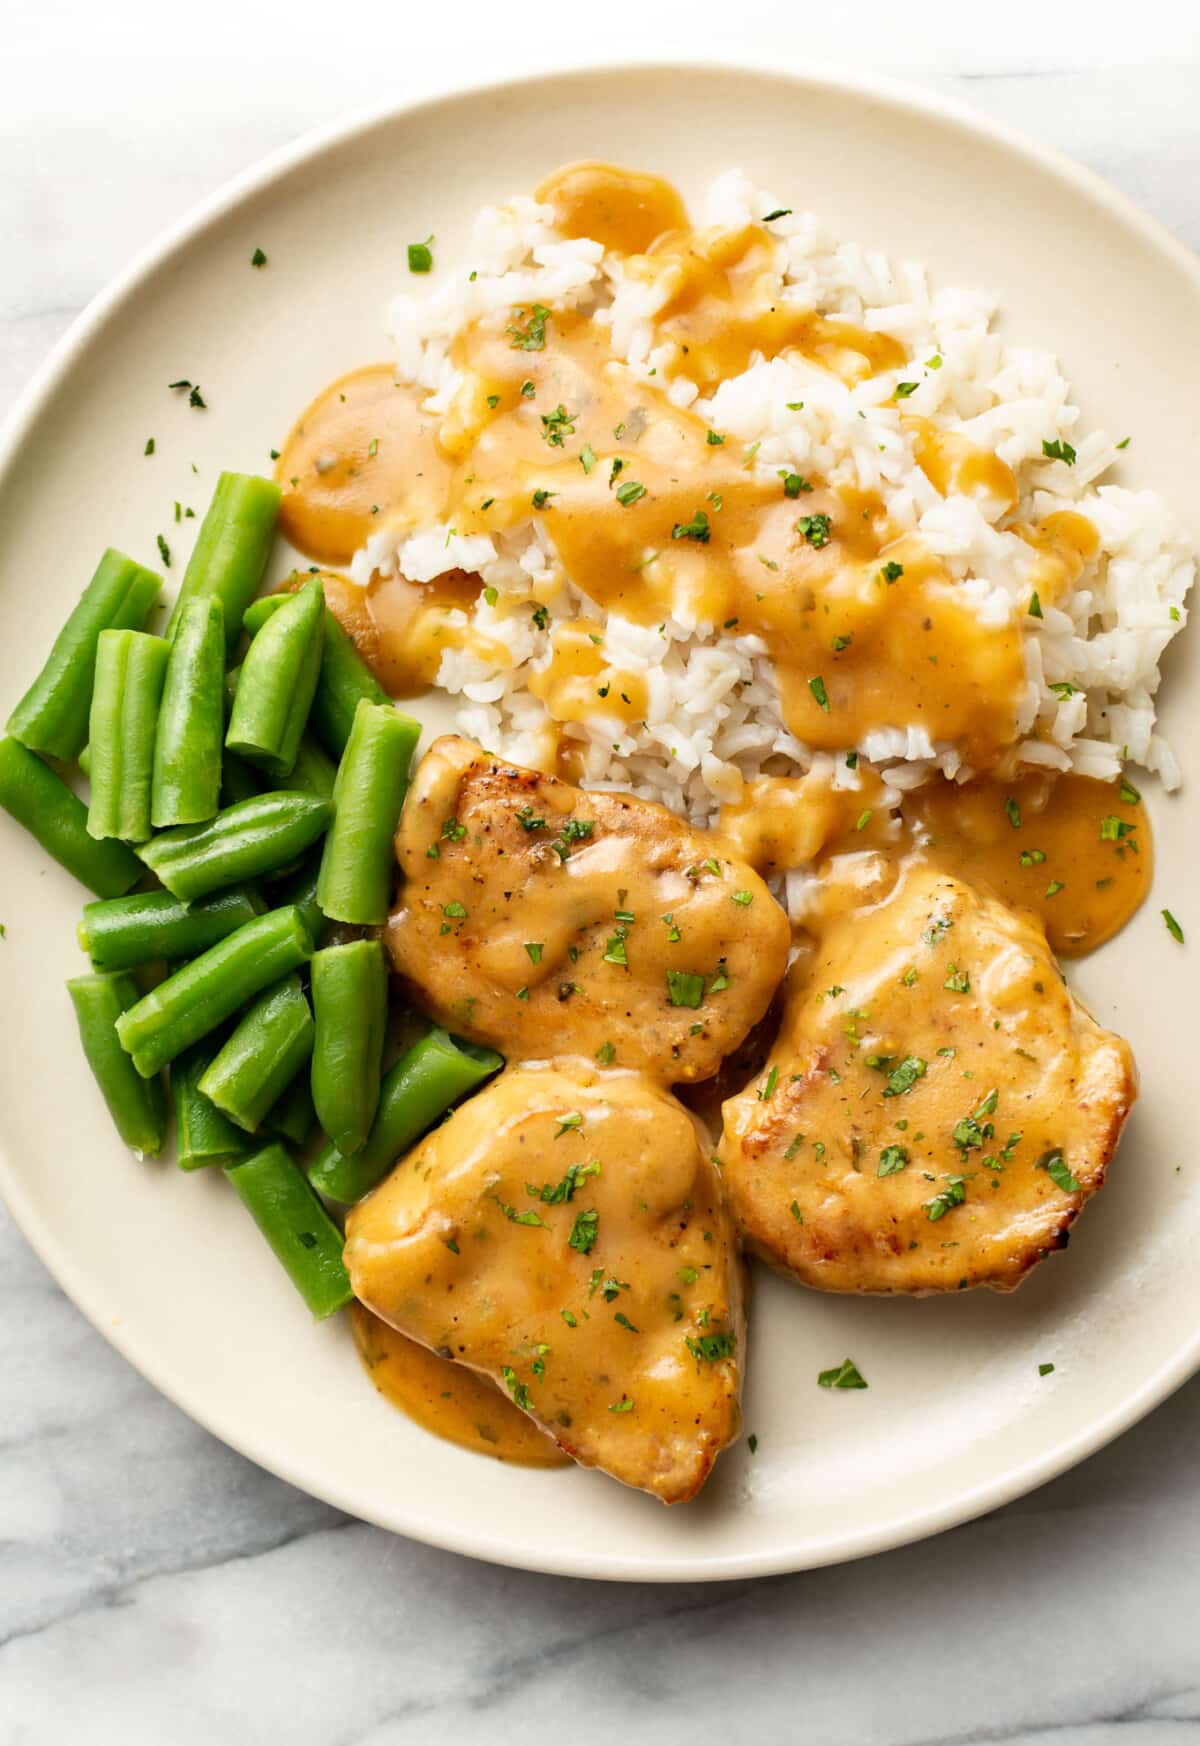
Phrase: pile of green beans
pixel 254 805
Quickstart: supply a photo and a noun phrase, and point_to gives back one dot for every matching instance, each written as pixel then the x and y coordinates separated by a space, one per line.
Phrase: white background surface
pixel 154 1586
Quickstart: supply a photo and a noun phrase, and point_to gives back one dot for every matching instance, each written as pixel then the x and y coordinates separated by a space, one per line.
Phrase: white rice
pixel 713 716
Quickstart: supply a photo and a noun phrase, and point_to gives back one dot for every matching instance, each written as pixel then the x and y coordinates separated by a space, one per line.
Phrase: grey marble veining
pixel 154 1586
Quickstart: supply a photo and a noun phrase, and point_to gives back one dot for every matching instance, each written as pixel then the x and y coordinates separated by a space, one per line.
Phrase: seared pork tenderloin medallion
pixel 564 1234
pixel 548 921
pixel 938 1107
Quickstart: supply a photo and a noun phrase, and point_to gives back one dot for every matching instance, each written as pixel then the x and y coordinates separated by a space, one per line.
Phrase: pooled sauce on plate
pixel 447 1398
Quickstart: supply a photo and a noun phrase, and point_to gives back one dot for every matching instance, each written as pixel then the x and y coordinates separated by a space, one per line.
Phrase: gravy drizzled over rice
pixel 802 420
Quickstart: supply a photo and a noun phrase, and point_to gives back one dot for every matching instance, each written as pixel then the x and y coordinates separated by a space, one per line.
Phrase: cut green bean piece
pixel 231 549
pixel 42 802
pixel 137 1105
pixel 277 681
pixel 314 771
pixel 203 994
pixel 130 669
pixel 349 991
pixel 191 718
pixel 358 863
pixel 345 677
pixel 304 1237
pixel 270 1044
pixel 435 1073
pixel 301 889
pixel 253 838
pixel 293 1116
pixel 52 717
pixel 203 1135
pixel 122 932
pixel 345 682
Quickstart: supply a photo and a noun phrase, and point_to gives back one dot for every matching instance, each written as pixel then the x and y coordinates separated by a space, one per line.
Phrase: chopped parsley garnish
pixel 587 457
pixel 572 1119
pixel 817 687
pixel 164 550
pixel 452 831
pixel 420 256
pixel 258 259
pixel 970 1133
pixel 954 1193
pixel 1129 793
pixel 1058 450
pixel 794 484
pixel 614 950
pixel 585 1231
pixel 905 1076
pixel 1173 927
pixel 557 426
pixel 491 595
pixel 1062 688
pixel 891 1159
pixel 569 1317
pixel 629 493
pixel 904 389
pixel 958 982
pixel 684 988
pixel 1046 1369
pixel 534 949
pixel 529 820
pixel 815 529
pixel 892 571
pixel 624 1405
pixel 1059 1171
pixel 1115 830
pixel 605 1054
pixel 844 1375
pixel 779 212
pixel 1031 857
pixel 767 1088
pixel 516 1388
pixel 1054 887
pixel 558 1193
pixel 1035 606
pixel 493 401
pixel 1014 813
pixel 527 390
pixel 149 448
pixel 713 440
pixel 711 1347
pixel 454 910
pixel 696 529
pixel 864 818
pixel 541 497
pixel 531 337
pixel 840 643
pixel 521 1218
pixel 745 898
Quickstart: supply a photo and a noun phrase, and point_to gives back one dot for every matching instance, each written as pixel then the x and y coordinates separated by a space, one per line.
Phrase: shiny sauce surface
pixel 446 1398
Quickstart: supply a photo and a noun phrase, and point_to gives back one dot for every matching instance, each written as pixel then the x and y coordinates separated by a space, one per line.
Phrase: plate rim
pixel 954 114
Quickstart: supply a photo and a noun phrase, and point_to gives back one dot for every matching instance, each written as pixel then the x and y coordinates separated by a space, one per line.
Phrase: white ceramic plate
pixel 168 1267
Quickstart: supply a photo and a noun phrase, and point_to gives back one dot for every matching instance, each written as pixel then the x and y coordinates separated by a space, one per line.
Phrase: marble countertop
pixel 156 1587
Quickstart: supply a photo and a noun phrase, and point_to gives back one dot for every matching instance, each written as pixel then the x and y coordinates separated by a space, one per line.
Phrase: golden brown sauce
pixel 580 684
pixel 401 628
pixel 1068 848
pixel 361 449
pixel 626 210
pixel 447 1398
pixel 954 464
pixel 1064 543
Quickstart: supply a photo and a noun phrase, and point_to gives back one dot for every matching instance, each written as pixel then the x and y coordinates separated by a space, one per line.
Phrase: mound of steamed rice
pixel 714 717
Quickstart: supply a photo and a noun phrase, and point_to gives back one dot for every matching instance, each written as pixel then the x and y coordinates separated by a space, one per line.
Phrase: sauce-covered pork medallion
pixel 938 1107
pixel 564 1234
pixel 547 921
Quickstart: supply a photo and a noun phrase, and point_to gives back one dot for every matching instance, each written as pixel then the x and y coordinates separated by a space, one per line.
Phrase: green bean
pixel 314 772
pixel 349 991
pixel 345 677
pixel 435 1073
pixel 41 801
pixel 191 718
pixel 260 610
pixel 270 1044
pixel 277 682
pixel 304 1237
pixel 204 993
pixel 356 867
pixel 253 837
pixel 203 1135
pixel 293 1116
pixel 239 781
pixel 130 669
pixel 345 681
pixel 137 1105
pixel 122 932
pixel 231 549
pixel 52 717
pixel 301 889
